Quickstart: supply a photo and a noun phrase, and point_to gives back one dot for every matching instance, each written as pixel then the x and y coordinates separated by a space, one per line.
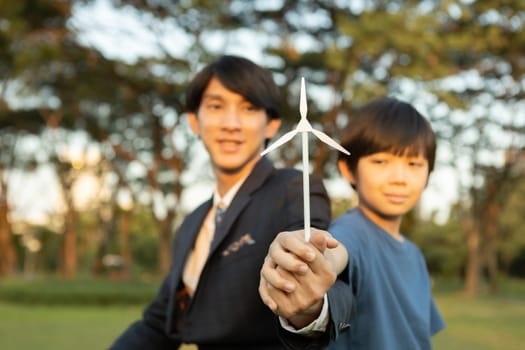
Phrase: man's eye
pixel 378 161
pixel 251 108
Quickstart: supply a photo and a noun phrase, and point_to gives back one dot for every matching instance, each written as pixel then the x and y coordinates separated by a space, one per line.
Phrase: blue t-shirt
pixel 391 285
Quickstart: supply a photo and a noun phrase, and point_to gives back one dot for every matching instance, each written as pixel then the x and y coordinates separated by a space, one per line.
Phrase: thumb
pixel 320 242
pixel 331 242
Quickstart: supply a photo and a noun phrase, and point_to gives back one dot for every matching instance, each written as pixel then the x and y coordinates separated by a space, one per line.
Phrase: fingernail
pixel 303 268
pixel 310 255
pixel 289 287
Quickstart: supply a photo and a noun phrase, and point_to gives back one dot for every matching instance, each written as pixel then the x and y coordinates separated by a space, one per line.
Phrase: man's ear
pixel 193 122
pixel 346 172
pixel 273 126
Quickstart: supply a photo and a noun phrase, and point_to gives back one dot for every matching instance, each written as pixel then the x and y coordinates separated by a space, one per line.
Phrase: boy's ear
pixel 346 172
pixel 193 122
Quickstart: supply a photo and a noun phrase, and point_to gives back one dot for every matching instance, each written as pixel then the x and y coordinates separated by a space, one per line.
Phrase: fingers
pixel 322 240
pixel 291 252
pixel 294 243
pixel 274 288
pixel 275 277
pixel 332 242
pixel 265 295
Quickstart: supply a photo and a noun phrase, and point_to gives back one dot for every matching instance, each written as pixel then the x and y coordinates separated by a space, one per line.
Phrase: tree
pixel 459 62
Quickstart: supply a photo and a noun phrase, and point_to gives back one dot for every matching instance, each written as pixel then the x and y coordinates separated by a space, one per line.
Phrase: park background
pixel 97 165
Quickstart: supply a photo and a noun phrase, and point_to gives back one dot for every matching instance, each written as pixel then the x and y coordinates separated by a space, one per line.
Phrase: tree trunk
pixel 491 219
pixel 8 258
pixel 7 250
pixel 472 271
pixel 68 266
pixel 105 223
pixel 124 235
pixel 165 232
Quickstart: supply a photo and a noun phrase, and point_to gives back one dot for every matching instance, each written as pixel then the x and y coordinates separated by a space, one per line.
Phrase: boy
pixel 392 154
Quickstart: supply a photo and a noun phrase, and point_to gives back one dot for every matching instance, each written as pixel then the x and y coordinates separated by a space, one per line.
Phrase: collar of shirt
pixel 228 197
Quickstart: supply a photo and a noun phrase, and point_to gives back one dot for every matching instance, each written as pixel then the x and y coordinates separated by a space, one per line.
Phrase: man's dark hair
pixel 387 125
pixel 241 76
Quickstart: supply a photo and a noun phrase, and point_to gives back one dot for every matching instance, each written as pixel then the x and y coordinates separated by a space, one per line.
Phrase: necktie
pixel 219 213
pixel 201 250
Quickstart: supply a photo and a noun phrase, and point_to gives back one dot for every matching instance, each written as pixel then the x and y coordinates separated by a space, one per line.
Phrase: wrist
pixel 308 316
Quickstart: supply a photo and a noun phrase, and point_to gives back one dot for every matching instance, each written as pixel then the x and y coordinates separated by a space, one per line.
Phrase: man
pixel 210 296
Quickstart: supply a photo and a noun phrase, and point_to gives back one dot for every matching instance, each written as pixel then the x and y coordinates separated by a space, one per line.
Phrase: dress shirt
pixel 198 256
pixel 318 325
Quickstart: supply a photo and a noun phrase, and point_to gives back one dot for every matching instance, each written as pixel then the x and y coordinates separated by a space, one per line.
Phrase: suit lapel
pixel 257 177
pixel 182 248
pixel 187 239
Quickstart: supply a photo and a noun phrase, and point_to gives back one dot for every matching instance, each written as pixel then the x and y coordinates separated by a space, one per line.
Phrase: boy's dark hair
pixel 241 76
pixel 387 125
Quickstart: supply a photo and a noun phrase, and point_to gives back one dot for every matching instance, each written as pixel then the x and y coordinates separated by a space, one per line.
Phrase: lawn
pixel 483 323
pixel 61 327
pixel 24 327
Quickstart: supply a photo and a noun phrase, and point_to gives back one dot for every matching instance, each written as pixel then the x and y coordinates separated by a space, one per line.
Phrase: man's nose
pixel 231 119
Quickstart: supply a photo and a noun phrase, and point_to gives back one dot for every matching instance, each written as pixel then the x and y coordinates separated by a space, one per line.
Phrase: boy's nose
pixel 398 173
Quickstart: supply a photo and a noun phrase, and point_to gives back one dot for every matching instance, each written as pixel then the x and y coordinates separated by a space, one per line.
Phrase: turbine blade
pixel 282 140
pixel 303 108
pixel 329 141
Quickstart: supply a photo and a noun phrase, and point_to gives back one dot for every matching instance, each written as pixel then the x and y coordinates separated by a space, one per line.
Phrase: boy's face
pixel 388 185
pixel 231 128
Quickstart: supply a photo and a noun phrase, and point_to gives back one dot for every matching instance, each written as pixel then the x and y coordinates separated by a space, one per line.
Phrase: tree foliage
pixel 460 62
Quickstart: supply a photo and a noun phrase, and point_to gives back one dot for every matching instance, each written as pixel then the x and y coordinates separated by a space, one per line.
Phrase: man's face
pixel 231 128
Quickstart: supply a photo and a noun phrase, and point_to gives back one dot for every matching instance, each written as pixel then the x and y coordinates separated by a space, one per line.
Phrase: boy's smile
pixel 388 186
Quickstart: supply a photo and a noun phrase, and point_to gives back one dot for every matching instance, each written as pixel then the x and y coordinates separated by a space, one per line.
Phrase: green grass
pixel 54 291
pixel 483 323
pixel 62 327
pixel 25 327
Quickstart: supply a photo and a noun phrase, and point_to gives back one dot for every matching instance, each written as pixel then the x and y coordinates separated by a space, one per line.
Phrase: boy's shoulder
pixel 350 226
pixel 351 216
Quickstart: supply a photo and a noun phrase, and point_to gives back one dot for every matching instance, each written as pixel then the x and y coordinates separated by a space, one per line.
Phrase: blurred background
pixel 98 166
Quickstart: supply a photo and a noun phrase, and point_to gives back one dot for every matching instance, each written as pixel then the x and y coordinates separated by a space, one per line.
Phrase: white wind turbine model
pixel 304 127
